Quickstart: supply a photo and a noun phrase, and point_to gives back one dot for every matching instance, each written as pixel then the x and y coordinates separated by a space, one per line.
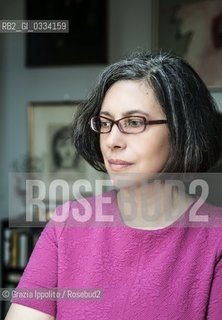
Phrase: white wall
pixel 129 27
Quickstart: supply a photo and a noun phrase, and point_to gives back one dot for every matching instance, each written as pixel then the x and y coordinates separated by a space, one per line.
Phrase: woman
pixel 150 115
pixel 64 155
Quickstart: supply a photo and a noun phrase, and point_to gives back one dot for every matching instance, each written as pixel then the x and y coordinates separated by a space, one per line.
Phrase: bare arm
pixel 20 312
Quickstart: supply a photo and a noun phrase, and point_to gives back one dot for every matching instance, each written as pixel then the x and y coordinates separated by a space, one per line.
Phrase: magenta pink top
pixel 171 273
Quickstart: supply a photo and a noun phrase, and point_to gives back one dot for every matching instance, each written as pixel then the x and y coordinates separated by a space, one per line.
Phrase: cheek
pixel 156 148
pixel 102 144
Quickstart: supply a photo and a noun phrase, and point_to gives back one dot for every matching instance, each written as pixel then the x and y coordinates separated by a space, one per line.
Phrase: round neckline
pixel 176 223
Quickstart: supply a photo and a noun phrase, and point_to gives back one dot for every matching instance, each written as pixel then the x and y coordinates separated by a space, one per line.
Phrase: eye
pixel 104 123
pixel 134 122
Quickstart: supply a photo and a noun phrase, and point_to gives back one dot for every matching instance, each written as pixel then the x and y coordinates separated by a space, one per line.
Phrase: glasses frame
pixel 146 122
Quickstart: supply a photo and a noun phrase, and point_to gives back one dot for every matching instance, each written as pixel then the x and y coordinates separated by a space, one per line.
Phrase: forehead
pixel 127 95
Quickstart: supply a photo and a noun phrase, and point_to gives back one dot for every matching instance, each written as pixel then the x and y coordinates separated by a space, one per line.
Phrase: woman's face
pixel 142 154
pixel 64 149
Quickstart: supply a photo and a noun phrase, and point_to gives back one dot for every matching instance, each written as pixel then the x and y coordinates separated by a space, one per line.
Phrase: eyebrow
pixel 127 113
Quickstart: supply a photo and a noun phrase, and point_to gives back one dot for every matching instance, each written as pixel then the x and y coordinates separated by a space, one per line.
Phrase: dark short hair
pixel 193 119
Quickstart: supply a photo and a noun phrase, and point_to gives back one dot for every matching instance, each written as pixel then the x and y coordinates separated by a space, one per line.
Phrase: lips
pixel 117 164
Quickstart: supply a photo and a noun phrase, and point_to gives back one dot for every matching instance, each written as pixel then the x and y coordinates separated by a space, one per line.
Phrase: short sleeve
pixel 41 272
pixel 215 300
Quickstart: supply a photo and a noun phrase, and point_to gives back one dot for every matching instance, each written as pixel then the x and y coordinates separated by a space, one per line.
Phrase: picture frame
pixel 86 41
pixel 51 153
pixel 192 29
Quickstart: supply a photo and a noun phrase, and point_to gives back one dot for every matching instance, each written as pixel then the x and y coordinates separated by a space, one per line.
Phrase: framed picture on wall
pixel 50 148
pixel 193 29
pixel 49 136
pixel 85 43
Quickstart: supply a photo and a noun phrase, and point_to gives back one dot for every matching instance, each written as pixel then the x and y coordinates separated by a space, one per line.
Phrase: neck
pixel 152 206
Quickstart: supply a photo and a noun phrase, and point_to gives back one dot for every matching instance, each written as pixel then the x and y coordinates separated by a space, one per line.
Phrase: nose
pixel 115 138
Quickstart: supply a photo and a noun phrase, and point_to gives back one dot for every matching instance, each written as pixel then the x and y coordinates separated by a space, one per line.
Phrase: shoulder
pixel 210 213
pixel 84 212
pixel 107 198
pixel 208 219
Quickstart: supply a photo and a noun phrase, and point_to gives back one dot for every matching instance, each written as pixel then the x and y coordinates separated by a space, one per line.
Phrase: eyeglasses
pixel 129 124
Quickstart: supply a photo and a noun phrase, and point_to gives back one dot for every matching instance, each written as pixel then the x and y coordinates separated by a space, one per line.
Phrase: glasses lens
pixel 132 124
pixel 100 124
